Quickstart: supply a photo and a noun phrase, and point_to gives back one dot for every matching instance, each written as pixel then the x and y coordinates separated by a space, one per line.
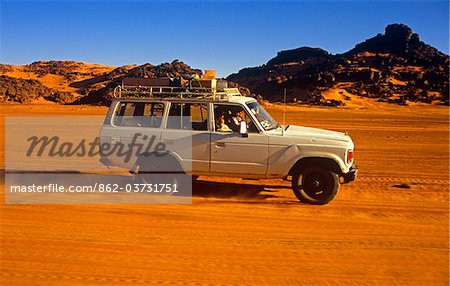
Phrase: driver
pixel 238 117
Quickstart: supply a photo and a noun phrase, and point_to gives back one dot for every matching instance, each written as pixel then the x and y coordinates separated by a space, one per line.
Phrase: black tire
pixel 315 185
pixel 146 166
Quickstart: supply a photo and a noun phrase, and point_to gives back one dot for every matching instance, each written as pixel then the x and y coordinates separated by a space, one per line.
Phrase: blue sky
pixel 225 36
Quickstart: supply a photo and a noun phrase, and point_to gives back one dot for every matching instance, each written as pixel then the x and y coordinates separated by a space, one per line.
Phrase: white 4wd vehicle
pixel 231 136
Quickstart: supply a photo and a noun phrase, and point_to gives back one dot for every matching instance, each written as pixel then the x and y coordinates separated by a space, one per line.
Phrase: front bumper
pixel 351 175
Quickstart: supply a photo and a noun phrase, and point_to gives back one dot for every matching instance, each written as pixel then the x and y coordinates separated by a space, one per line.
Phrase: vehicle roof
pixel 229 99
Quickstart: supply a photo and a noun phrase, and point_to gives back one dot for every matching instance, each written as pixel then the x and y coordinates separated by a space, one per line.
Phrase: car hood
pixel 300 131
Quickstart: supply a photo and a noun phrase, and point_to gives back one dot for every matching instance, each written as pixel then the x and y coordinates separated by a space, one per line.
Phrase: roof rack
pixel 179 92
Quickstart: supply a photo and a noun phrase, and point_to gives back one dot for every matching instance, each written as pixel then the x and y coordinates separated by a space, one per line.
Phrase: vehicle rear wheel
pixel 155 170
pixel 315 185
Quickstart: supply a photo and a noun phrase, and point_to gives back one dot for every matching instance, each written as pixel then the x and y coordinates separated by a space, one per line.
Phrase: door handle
pixel 219 144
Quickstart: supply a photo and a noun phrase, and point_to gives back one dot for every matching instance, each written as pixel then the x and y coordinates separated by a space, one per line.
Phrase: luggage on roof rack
pixel 175 88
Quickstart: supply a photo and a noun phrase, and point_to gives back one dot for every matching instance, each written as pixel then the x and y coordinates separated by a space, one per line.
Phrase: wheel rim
pixel 315 185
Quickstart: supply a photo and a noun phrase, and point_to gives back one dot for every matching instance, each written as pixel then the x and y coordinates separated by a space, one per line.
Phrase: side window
pixel 227 118
pixel 188 116
pixel 139 114
pixel 199 116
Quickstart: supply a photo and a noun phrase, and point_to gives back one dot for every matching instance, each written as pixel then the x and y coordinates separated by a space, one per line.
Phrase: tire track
pixel 400 179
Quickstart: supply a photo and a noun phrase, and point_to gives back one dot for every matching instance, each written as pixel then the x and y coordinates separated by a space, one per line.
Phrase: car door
pixel 187 135
pixel 230 152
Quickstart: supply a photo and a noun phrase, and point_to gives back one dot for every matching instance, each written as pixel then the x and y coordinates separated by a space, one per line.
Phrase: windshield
pixel 262 116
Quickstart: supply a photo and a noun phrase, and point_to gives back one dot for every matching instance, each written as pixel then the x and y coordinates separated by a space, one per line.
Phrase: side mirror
pixel 243 129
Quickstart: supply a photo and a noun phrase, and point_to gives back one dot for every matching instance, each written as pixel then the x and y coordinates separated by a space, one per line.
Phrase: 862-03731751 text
pixel 97 187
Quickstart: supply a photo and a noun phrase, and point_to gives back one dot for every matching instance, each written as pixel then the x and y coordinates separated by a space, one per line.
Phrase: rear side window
pixel 139 114
pixel 188 116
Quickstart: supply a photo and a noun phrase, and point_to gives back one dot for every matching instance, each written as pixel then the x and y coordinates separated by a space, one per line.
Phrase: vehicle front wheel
pixel 315 185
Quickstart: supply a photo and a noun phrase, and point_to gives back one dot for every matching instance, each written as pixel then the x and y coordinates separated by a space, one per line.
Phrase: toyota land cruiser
pixel 231 135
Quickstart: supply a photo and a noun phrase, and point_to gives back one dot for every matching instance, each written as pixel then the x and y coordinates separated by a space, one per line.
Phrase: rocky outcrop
pixel 300 71
pixel 393 67
pixel 95 86
pixel 300 55
pixel 173 69
pixel 68 69
pixel 6 68
pixel 103 95
pixel 399 40
pixel 28 90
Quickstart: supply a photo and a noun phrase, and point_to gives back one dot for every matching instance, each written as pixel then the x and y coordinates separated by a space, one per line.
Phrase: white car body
pixel 264 154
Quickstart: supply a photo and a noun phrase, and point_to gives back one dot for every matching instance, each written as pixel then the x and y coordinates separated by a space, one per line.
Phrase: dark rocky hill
pixel 392 67
pixel 399 40
pixel 300 55
pixel 27 90
pixel 88 83
pixel 103 94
